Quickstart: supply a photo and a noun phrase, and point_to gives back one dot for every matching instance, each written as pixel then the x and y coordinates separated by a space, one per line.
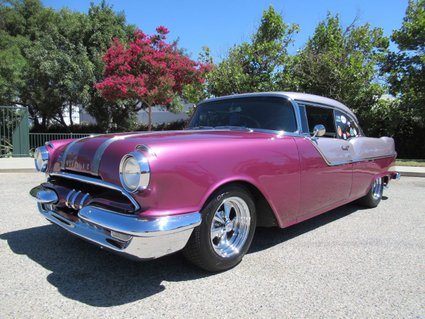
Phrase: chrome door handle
pixel 345 147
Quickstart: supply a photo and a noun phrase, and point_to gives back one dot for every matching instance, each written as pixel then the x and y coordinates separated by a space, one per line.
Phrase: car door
pixel 325 162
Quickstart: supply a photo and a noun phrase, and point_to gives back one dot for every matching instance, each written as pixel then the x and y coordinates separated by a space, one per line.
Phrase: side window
pixel 345 126
pixel 320 115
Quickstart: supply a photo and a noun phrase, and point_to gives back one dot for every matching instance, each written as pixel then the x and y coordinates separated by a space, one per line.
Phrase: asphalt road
pixel 350 262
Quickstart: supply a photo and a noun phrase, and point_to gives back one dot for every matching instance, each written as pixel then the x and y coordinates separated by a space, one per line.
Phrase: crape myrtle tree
pixel 147 71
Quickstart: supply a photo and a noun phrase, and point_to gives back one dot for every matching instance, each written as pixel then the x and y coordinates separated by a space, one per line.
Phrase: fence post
pixel 20 135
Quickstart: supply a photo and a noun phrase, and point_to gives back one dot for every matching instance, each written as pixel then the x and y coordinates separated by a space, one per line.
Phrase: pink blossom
pixel 147 67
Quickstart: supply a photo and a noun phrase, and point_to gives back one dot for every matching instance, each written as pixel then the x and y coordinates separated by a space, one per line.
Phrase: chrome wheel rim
pixel 377 189
pixel 230 227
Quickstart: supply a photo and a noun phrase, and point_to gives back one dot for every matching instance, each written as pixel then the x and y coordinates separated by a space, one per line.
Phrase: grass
pixel 410 162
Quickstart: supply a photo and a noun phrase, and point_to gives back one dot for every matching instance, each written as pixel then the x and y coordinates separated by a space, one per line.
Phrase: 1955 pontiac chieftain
pixel 262 159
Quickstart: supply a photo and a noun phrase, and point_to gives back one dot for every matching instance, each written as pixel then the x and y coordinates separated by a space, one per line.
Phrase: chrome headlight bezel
pixel 144 171
pixel 41 158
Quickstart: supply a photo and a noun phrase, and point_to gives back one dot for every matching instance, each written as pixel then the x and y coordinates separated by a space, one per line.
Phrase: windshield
pixel 271 113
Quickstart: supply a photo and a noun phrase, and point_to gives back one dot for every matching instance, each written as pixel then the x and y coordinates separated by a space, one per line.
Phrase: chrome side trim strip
pixel 350 161
pixel 320 152
pixel 97 182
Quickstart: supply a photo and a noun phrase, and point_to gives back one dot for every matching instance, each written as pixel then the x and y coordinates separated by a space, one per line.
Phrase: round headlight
pixel 134 172
pixel 41 157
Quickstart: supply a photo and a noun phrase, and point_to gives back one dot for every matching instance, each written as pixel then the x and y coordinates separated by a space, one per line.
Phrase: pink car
pixel 262 159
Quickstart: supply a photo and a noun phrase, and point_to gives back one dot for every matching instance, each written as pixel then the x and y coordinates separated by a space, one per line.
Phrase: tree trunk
pixel 149 117
pixel 62 120
pixel 71 122
pixel 44 122
pixel 34 118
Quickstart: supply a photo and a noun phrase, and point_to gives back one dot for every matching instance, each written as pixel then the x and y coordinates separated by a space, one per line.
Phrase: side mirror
pixel 319 130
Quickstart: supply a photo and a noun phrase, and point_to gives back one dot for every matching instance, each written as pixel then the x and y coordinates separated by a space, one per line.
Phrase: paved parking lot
pixel 350 262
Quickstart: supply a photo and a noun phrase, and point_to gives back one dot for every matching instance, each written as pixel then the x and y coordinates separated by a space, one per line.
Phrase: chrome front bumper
pixel 134 237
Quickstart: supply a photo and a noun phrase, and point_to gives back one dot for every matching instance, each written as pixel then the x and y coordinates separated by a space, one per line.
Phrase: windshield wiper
pixel 201 128
pixel 232 127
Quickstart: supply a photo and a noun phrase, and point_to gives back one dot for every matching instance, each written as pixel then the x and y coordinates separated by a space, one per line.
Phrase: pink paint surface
pixel 188 166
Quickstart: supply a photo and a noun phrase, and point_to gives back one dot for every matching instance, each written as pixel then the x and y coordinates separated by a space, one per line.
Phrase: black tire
pixel 203 248
pixel 374 196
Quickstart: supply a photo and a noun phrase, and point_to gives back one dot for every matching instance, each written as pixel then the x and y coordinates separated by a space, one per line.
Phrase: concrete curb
pixel 411 171
pixel 17 170
pixel 412 174
pixel 17 165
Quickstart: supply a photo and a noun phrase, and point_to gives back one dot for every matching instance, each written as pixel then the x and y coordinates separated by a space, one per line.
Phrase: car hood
pixel 97 154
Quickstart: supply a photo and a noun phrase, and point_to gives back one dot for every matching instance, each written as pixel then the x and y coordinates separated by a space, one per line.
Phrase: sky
pixel 220 24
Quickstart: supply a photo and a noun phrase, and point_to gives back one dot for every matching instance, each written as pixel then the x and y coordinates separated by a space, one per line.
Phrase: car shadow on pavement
pixel 80 271
pixel 268 237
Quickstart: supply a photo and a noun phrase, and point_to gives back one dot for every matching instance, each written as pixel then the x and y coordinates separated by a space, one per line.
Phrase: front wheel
pixel 226 231
pixel 374 196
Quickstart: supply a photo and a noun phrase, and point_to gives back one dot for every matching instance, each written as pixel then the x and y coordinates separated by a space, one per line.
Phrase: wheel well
pixel 265 214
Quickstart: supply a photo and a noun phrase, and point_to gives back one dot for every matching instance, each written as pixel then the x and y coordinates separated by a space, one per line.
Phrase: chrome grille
pixel 82 190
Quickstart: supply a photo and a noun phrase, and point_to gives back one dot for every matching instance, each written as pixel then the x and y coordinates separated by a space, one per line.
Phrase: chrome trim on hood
pixel 67 148
pixel 101 149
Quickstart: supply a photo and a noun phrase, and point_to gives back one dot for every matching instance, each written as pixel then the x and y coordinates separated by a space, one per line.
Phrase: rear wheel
pixel 226 231
pixel 374 196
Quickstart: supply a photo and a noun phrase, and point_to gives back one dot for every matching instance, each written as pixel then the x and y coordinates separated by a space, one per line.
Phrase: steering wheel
pixel 275 124
pixel 247 120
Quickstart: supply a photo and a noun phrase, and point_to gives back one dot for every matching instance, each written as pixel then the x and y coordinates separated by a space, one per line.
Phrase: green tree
pixel 406 68
pixel 50 60
pixel 255 65
pixel 12 64
pixel 104 24
pixel 340 63
pixel 22 23
pixel 58 77
pixel 405 71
